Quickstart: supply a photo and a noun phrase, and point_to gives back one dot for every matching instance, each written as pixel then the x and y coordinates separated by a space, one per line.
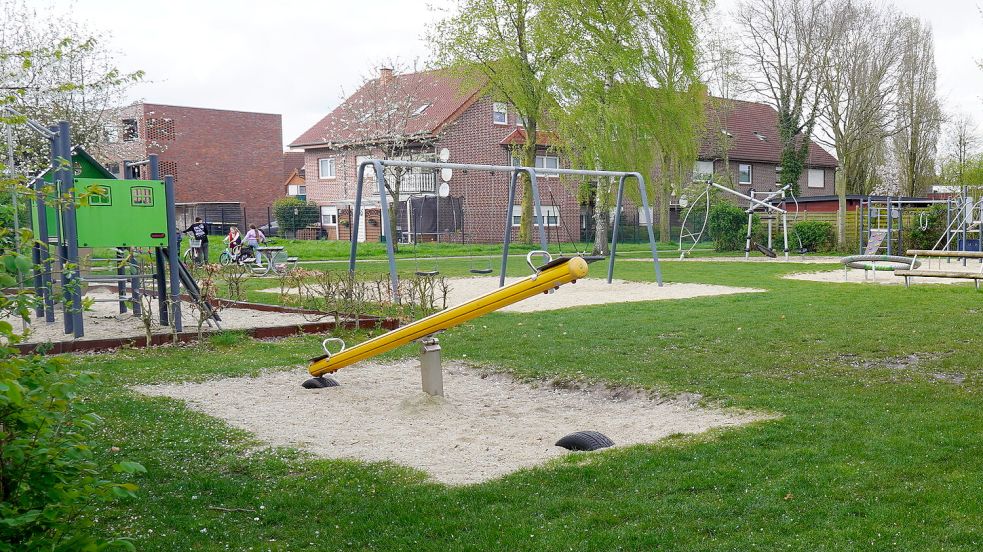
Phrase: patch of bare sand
pixel 105 321
pixel 487 426
pixel 589 291
pixel 856 276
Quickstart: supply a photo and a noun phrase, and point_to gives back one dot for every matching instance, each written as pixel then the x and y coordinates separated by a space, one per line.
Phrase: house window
pixel 551 215
pixel 329 216
pixel 131 131
pixel 113 168
pixel 702 170
pixel 744 174
pixel 817 178
pixel 298 191
pixel 542 162
pixel 142 196
pixel 644 217
pixel 325 168
pixel 500 113
pixel 419 110
pixel 520 121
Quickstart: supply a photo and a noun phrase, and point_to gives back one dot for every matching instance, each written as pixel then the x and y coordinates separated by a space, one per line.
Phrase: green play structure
pixel 81 205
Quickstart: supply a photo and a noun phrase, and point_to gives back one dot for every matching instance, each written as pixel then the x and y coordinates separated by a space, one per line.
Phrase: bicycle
pixel 232 253
pixel 194 254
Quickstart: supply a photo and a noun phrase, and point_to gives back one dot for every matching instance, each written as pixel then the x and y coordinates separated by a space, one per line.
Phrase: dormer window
pixel 760 136
pixel 419 111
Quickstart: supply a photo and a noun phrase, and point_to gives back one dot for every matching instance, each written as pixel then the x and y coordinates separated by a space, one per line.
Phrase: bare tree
pixel 52 77
pixel 379 117
pixel 961 142
pixel 919 115
pixel 787 44
pixel 857 94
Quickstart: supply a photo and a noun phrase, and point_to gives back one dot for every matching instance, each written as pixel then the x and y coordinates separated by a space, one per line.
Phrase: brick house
pixel 232 159
pixel 471 127
pixel 742 144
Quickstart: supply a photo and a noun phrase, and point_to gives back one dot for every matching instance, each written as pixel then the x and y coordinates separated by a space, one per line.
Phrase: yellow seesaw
pixel 548 277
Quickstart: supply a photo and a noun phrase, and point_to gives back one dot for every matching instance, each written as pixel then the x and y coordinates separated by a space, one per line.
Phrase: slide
pixel 550 276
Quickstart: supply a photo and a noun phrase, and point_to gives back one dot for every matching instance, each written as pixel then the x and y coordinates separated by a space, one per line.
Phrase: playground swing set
pixel 121 214
pixel 547 276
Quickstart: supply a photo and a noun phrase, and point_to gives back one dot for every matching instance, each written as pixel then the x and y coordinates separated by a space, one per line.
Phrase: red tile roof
pixel 754 134
pixel 292 161
pixel 442 90
pixel 518 136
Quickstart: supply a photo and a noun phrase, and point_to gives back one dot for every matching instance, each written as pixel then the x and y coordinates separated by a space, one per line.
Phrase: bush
pixel 727 226
pixel 293 214
pixel 814 235
pixel 49 478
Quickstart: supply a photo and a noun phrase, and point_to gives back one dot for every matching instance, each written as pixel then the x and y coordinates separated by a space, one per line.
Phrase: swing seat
pixel 765 251
pixel 427 272
pixel 481 271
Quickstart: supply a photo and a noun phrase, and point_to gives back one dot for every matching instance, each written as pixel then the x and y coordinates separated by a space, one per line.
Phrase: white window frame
pixel 750 173
pixel 329 211
pixel 500 108
pixel 700 170
pixel 643 218
pixel 332 168
pixel 549 212
pixel 541 164
pixel 292 189
pixel 519 121
pixel 822 178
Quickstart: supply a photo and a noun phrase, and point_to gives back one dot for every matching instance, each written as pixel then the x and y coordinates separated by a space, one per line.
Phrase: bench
pixel 964 275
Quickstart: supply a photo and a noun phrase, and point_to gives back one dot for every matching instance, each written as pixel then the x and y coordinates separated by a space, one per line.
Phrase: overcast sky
pixel 298 57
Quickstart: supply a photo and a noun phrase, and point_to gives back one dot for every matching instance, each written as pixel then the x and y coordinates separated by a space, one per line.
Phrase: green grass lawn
pixel 877 447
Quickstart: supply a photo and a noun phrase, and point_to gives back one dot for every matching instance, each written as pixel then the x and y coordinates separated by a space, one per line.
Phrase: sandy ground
pixel 105 321
pixel 856 276
pixel 486 427
pixel 589 291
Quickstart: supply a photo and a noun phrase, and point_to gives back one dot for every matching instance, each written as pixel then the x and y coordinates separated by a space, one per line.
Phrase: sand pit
pixel 589 291
pixel 104 321
pixel 486 427
pixel 856 276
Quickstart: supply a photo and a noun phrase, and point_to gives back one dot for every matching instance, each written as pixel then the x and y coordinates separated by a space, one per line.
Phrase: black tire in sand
pixel 320 382
pixel 585 440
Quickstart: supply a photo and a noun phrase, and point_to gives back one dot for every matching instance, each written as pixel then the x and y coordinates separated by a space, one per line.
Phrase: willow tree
pixel 628 95
pixel 513 48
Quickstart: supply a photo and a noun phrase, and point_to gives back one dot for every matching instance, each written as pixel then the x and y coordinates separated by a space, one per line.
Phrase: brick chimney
pixel 385 75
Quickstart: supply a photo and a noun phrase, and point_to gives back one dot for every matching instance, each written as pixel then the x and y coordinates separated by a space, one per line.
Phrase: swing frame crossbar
pixel 378 165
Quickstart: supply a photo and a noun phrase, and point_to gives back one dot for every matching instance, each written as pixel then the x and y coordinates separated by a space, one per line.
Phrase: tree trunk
pixel 527 222
pixel 839 182
pixel 602 220
pixel 662 201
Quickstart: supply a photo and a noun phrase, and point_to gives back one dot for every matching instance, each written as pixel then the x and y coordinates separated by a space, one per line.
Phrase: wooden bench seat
pixel 945 254
pixel 975 276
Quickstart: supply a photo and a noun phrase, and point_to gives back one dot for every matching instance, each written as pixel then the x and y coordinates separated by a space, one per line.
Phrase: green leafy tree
pixel 629 96
pixel 512 48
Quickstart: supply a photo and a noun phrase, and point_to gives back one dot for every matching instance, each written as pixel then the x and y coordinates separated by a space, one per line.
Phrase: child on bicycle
pixel 199 231
pixel 254 237
pixel 233 241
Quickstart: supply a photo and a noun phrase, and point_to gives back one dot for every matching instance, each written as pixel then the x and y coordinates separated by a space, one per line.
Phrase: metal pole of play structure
pixel 785 226
pixel 173 257
pixel 66 176
pixel 890 224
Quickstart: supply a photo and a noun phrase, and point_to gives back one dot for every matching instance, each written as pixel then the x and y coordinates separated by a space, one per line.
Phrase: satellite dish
pixel 444 189
pixel 445 174
pixel 444 155
pixel 683 201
